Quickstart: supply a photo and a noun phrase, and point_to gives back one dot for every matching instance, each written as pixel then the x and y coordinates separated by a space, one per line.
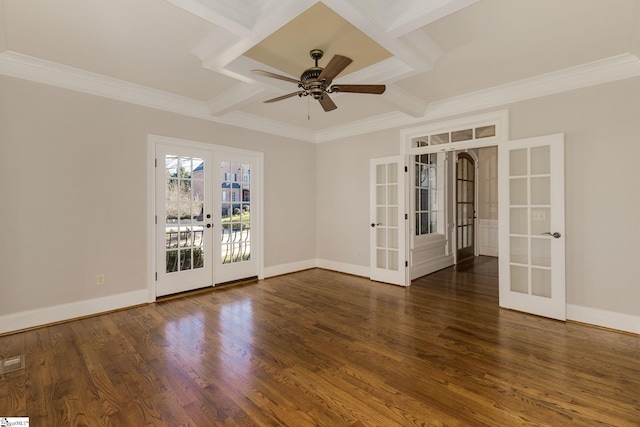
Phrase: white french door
pixel 184 235
pixel 236 210
pixel 388 223
pixel 531 233
pixel 206 219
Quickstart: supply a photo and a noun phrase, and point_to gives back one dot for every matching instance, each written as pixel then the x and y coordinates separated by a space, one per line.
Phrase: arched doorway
pixel 465 206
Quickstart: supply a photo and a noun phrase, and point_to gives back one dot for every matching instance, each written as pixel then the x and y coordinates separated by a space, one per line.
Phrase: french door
pixel 388 221
pixel 207 207
pixel 236 206
pixel 531 233
pixel 465 206
pixel 184 224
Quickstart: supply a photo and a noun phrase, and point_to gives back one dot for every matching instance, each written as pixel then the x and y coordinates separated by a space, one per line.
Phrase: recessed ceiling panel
pixel 317 28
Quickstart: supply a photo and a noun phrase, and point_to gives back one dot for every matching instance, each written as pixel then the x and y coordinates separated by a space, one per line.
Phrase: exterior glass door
pixel 235 190
pixel 183 218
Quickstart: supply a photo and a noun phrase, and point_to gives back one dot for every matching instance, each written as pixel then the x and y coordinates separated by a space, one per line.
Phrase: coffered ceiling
pixel 436 57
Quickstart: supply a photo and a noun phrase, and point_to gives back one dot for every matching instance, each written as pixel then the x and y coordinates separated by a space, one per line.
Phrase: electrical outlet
pixel 100 280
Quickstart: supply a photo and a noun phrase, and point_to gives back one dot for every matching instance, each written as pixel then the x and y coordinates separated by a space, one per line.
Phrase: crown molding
pixel 25 67
pixel 590 74
pixel 273 127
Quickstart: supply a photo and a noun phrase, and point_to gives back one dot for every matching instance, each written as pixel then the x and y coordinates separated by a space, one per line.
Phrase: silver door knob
pixel 555 234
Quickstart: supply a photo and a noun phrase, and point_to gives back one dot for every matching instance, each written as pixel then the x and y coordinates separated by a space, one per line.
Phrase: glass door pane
pixel 532 262
pixel 388 221
pixel 183 212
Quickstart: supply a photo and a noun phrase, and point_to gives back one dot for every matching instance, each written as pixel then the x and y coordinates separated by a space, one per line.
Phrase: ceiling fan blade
pixel 327 103
pixel 275 76
pixel 373 89
pixel 280 98
pixel 334 67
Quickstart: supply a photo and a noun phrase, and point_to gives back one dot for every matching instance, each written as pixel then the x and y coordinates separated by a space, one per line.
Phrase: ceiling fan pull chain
pixel 308 110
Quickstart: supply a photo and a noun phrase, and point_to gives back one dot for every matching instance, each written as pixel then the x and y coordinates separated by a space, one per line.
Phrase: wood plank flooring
pixel 319 348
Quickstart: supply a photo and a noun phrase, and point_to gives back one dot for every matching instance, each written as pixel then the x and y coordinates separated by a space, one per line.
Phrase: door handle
pixel 555 234
pixel 373 225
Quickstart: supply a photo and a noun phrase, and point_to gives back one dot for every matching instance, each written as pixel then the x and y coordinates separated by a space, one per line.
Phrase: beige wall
pixel 488 183
pixel 73 188
pixel 602 129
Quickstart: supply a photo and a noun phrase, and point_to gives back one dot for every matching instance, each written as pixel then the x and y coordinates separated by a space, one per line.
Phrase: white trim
pixel 355 270
pixel 498 118
pixel 280 269
pixel 73 310
pixel 604 318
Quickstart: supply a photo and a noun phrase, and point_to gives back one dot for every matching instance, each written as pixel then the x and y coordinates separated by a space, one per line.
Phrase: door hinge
pixel 156 219
pixel 156 276
pixel 406 169
pixel 406 217
pixel 406 263
pixel 156 162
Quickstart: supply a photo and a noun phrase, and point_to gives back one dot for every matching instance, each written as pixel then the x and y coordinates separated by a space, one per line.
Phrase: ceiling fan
pixel 315 81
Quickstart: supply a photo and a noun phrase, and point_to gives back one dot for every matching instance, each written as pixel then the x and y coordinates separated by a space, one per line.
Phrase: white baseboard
pixel 433 265
pixel 59 313
pixel 278 270
pixel 356 270
pixel 604 318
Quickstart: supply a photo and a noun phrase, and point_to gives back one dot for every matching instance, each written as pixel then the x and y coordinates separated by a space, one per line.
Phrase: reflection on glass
pixel 184 192
pixel 236 332
pixel 235 233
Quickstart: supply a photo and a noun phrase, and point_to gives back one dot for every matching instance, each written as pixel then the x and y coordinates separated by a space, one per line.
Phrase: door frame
pixel 258 243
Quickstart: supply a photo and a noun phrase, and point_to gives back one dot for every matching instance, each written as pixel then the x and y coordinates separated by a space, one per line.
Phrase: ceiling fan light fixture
pixel 315 81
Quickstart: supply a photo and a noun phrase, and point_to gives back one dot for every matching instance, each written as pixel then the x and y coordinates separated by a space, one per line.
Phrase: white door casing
pixel 532 226
pixel 388 224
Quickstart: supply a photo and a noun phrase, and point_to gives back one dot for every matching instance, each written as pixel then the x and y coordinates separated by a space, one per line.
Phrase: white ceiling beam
pixel 404 101
pixel 234 98
pixel 412 15
pixel 218 50
pixel 236 16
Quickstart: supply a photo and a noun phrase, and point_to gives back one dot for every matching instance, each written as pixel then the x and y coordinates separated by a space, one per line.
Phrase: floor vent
pixel 11 364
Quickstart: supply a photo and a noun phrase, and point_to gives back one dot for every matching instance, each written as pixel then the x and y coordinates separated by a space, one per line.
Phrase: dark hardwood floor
pixel 327 349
